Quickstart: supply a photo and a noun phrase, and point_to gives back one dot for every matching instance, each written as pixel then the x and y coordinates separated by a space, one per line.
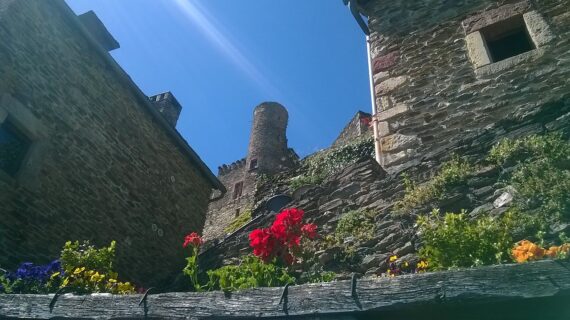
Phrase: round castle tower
pixel 268 151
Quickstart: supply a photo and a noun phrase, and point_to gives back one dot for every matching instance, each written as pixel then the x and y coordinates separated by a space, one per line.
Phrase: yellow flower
pixel 406 264
pixel 65 282
pixel 393 258
pixel 79 270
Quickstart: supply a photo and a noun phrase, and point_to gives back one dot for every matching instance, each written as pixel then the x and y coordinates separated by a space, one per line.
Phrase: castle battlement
pixel 226 169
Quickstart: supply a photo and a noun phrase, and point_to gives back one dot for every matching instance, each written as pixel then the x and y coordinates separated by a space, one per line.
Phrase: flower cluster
pixel 528 251
pixel 30 278
pixel 191 270
pixel 29 272
pixel 283 238
pixel 396 268
pixel 82 280
pixel 193 239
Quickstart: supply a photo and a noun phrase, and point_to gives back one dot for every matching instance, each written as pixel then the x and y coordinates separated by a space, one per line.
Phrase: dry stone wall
pixel 101 166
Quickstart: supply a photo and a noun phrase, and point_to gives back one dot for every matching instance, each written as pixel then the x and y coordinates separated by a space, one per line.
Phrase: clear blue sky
pixel 221 58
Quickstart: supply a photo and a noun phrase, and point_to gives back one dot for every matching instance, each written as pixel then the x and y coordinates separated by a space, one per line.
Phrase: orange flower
pixel 527 251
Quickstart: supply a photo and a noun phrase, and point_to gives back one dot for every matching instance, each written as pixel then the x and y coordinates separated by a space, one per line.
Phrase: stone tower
pixel 267 154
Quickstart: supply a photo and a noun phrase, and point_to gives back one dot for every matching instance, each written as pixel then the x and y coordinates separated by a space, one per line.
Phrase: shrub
pixel 451 173
pixel 90 270
pixel 358 224
pixel 252 272
pixel 239 222
pixel 325 163
pixel 542 175
pixel 452 240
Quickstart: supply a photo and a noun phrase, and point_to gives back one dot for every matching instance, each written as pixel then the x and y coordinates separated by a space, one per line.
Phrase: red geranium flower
pixel 193 239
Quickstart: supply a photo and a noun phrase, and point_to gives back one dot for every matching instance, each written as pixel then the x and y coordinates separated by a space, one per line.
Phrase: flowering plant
pixel 528 251
pixel 283 239
pixel 191 270
pixel 30 278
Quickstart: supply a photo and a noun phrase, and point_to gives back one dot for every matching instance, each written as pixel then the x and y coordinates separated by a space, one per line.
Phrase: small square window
pixel 14 146
pixel 507 39
pixel 253 164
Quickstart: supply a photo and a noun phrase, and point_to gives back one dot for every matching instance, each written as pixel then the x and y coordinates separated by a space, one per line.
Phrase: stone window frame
pixel 253 164
pixel 238 190
pixel 31 127
pixel 479 55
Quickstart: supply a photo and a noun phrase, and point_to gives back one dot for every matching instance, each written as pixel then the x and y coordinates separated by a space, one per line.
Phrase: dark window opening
pixel 237 213
pixel 238 190
pixel 507 39
pixel 14 146
pixel 253 164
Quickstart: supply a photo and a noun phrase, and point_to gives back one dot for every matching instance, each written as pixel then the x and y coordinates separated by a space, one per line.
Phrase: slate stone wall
pixel 430 97
pixel 358 126
pixel 102 167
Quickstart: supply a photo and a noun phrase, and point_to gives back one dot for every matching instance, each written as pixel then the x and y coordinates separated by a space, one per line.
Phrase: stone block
pixel 477 49
pixel 537 28
pixel 385 62
pixel 489 17
pixel 389 85
pixel 397 110
pixel 398 142
pixel 383 128
pixel 381 76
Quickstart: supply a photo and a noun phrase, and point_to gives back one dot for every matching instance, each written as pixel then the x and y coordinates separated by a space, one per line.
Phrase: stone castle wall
pixel 267 154
pixel 101 166
pixel 431 91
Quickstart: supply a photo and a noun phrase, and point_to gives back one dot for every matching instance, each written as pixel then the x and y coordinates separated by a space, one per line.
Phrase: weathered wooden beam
pixel 502 283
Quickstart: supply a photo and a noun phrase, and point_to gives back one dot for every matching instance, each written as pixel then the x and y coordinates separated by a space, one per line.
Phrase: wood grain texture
pixel 492 284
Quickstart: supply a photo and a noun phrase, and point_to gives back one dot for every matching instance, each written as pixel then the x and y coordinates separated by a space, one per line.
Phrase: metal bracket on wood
pixel 353 292
pixel 285 299
pixel 144 302
pixel 353 286
pixel 55 297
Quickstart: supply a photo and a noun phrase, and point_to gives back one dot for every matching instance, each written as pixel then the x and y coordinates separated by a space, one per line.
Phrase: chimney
pixel 98 31
pixel 168 106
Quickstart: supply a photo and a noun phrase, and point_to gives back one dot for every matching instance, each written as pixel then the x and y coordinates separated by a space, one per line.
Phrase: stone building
pixel 84 154
pixel 267 154
pixel 358 127
pixel 447 72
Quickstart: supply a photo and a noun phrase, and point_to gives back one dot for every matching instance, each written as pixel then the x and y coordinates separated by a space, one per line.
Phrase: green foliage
pixel 250 273
pixel 302 180
pixel 451 173
pixel 90 270
pixel 552 147
pixel 328 162
pixel 77 255
pixel 542 175
pixel 239 221
pixel 358 224
pixel 317 276
pixel 453 240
